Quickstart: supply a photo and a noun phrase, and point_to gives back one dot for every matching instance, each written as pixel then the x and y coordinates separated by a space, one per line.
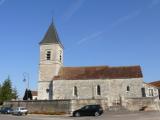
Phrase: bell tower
pixel 51 60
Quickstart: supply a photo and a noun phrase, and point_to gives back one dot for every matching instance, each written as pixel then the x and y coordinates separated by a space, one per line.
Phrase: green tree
pixel 14 94
pixel 0 95
pixel 7 92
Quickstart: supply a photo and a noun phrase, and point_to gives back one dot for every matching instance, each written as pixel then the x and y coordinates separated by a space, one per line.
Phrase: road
pixel 105 116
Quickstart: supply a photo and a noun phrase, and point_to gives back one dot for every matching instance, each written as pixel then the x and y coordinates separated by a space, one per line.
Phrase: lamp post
pixel 26 78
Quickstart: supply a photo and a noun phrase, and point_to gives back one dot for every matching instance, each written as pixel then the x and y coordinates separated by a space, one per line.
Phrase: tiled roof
pixel 156 83
pixel 51 36
pixel 98 72
pixel 34 93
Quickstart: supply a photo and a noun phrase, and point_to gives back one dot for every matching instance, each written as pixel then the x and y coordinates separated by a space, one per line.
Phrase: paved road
pixel 105 116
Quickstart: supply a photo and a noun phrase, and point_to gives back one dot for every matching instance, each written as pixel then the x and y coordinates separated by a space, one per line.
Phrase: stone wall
pixel 43 106
pixel 112 90
pixel 68 106
pixel 43 86
pixel 48 69
pixel 146 104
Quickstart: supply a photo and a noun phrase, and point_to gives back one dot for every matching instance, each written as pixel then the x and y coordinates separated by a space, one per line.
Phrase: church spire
pixel 51 36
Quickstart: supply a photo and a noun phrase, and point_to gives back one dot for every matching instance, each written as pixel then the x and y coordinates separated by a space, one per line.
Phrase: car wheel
pixel 96 114
pixel 77 114
pixel 19 114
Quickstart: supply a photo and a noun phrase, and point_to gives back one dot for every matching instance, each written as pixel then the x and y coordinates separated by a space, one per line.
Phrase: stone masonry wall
pixel 48 69
pixel 43 106
pixel 112 90
pixel 68 106
pixel 42 90
pixel 146 104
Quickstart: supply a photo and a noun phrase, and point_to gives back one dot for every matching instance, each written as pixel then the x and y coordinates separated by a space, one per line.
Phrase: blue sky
pixel 94 32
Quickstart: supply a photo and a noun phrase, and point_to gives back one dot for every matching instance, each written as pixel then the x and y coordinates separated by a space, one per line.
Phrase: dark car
pixel 89 110
pixel 6 110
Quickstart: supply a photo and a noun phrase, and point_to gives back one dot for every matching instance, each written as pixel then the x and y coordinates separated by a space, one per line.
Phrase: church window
pixel 128 88
pixel 75 91
pixel 98 90
pixel 48 55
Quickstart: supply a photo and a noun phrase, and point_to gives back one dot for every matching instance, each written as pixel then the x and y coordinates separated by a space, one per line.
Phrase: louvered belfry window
pixel 48 55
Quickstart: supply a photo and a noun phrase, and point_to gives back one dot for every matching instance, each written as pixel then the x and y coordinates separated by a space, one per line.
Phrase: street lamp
pixel 26 78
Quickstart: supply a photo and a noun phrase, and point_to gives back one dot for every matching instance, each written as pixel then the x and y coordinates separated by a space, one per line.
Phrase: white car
pixel 20 111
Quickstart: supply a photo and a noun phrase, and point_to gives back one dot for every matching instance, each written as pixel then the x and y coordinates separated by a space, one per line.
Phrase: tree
pixel 27 95
pixel 14 94
pixel 0 95
pixel 7 92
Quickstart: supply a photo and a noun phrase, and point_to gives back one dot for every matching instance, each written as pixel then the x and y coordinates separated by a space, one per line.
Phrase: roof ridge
pixel 83 66
pixel 101 66
pixel 125 66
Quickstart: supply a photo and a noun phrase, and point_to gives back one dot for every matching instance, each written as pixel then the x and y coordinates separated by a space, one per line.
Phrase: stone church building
pixel 85 82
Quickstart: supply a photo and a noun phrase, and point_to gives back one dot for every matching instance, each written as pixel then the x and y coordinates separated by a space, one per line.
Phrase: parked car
pixel 89 110
pixel 6 110
pixel 20 111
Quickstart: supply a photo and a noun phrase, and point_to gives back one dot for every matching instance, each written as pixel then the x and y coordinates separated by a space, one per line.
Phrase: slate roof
pixel 98 72
pixel 156 83
pixel 51 36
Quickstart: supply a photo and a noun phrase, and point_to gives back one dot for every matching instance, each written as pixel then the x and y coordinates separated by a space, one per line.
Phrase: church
pixel 59 82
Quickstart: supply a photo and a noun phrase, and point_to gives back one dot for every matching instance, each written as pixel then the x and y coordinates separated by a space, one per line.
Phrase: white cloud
pixel 72 9
pixel 93 36
pixel 126 18
pixel 90 37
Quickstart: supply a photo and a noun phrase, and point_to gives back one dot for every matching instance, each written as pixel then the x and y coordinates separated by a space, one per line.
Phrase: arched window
pixel 128 88
pixel 98 90
pixel 75 91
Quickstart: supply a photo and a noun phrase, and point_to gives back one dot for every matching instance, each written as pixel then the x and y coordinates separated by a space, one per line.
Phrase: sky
pixel 93 32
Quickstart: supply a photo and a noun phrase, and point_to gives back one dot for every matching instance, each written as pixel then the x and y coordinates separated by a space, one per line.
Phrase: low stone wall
pixel 146 104
pixel 43 106
pixel 68 106
pixel 55 106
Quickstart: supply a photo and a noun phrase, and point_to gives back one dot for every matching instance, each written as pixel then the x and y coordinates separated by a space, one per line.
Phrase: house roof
pixel 34 93
pixel 155 83
pixel 98 72
pixel 51 36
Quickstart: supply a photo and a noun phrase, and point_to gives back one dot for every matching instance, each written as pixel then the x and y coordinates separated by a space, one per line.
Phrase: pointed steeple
pixel 51 36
